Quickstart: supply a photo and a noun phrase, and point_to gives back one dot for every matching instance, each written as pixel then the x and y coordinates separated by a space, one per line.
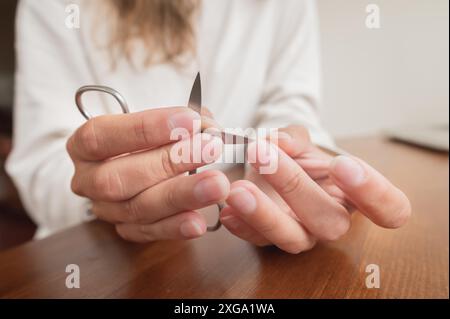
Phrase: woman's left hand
pixel 309 196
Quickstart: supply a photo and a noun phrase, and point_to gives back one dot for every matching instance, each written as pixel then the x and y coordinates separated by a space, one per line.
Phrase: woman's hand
pixel 309 197
pixel 123 164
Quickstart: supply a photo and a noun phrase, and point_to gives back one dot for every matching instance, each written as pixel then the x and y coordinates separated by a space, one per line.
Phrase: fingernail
pixel 211 189
pixel 184 119
pixel 191 228
pixel 230 221
pixel 242 200
pixel 348 171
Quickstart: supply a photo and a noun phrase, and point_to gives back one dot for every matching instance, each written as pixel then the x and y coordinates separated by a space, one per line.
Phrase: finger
pixel 231 220
pixel 330 187
pixel 208 121
pixel 311 158
pixel 315 168
pixel 185 225
pixel 178 194
pixel 370 192
pixel 107 136
pixel 296 143
pixel 205 112
pixel 294 140
pixel 318 212
pixel 261 213
pixel 124 177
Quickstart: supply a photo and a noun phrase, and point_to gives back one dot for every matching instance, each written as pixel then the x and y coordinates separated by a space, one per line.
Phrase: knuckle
pixel 88 140
pixel 107 184
pixel 69 146
pixel 294 185
pixel 167 165
pixel 171 199
pixel 75 186
pixel 142 134
pixel 132 210
pixel 100 182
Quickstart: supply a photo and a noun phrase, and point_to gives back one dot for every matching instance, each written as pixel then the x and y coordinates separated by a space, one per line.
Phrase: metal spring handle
pixel 99 88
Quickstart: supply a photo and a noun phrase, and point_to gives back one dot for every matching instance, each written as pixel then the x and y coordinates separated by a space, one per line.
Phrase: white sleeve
pixel 291 94
pixel 50 67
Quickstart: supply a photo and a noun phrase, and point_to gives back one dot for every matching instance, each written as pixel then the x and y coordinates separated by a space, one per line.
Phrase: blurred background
pixel 374 79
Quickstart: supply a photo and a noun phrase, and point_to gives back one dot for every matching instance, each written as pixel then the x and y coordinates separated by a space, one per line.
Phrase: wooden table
pixel 413 260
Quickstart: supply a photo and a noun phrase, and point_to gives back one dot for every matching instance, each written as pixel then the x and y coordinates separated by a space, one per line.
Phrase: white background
pixel 381 78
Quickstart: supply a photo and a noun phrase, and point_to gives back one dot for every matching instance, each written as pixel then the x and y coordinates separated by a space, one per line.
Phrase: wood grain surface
pixel 413 260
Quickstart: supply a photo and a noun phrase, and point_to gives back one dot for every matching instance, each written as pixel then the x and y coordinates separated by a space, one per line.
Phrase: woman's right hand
pixel 123 165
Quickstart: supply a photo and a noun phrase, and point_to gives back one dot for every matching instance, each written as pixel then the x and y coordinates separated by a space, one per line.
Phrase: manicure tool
pixel 195 104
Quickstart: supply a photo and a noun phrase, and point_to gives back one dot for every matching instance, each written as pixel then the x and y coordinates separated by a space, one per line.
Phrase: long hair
pixel 164 28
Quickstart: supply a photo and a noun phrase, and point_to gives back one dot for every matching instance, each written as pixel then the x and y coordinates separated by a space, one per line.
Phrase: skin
pixel 122 164
pixel 309 198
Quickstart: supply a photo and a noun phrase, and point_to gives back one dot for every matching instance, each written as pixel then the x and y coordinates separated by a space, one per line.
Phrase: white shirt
pixel 259 62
